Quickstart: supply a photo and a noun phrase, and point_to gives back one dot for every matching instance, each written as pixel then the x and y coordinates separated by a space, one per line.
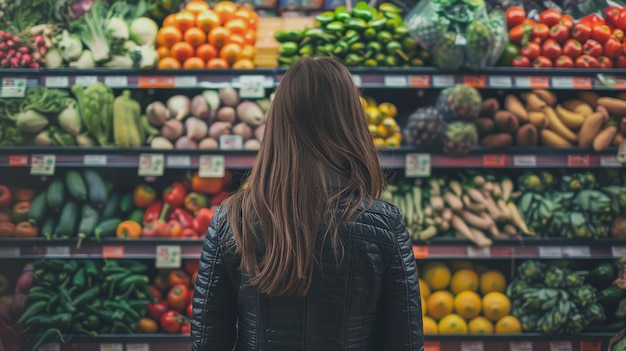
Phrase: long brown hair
pixel 316 126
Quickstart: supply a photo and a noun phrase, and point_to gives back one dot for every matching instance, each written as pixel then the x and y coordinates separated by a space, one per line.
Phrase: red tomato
pixel 156 310
pixel 189 310
pixel 550 17
pixel 156 294
pixel 592 48
pixel 551 49
pixel 611 15
pixel 179 297
pixel 559 32
pixel 186 327
pixel 572 48
pixel 178 277
pixel 601 33
pixel 542 62
pixel 541 31
pixel 564 62
pixel 612 48
pixel 618 34
pixel 521 61
pixel 587 61
pixel 161 280
pixel 530 50
pixel 171 321
pixel 514 16
pixel 605 62
pixel 191 266
pixel 567 21
pixel 621 62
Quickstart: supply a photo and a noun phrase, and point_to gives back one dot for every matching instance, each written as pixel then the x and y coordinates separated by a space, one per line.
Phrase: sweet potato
pixel 590 128
pixel 604 138
pixel 489 108
pixel 499 140
pixel 513 105
pixel 527 135
pixel 613 105
pixel 506 122
pixel 484 125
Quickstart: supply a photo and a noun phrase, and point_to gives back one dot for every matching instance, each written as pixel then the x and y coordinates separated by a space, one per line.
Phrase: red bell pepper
pixel 551 49
pixel 611 15
pixel 550 17
pixel 172 321
pixel 559 32
pixel 521 61
pixel 182 216
pixel 605 62
pixel 542 62
pixel 601 33
pixel 593 48
pixel 144 196
pixel 587 61
pixel 564 62
pixel 157 309
pixel 5 197
pixel 612 48
pixel 203 220
pixel 186 327
pixel 195 201
pixel 153 212
pixel 620 62
pixel 174 195
pixel 572 48
pixel 581 32
pixel 157 295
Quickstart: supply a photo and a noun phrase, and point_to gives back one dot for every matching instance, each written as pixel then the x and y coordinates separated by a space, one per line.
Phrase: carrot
pixel 590 128
pixel 604 138
pixel 517 219
pixel 453 201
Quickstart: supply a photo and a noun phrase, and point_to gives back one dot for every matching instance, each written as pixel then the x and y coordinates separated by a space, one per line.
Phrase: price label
pixel 420 251
pixel 18 160
pixel 42 165
pixel 9 252
pixel 111 347
pixel 590 345
pixel 539 82
pixel 58 251
pixel 578 160
pixel 417 165
pixel 500 82
pixel 618 251
pixel 476 81
pixel 151 165
pixel 231 142
pixel 478 251
pixel 212 166
pixel 186 82
pixel 550 251
pixel 252 86
pixel 561 346
pixel 116 81
pixel 443 81
pixel 57 82
pixel 521 346
pixel 419 81
pixel 472 346
pixel 524 160
pixel 95 160
pixel 562 82
pixel 396 81
pixel 178 161
pixel 609 161
pixel 85 80
pixel 137 347
pixel 494 160
pixel 50 347
pixel 13 87
pixel 112 251
pixel 357 80
pixel 156 82
pixel 168 256
pixel 582 83
pixel 576 251
pixel 432 346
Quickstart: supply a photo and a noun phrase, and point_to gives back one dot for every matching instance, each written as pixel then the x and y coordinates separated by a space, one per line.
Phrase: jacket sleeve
pixel 213 325
pixel 400 313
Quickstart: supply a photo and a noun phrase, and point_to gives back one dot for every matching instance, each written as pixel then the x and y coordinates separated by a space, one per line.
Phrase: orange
pixel 452 324
pixel 508 325
pixel 170 21
pixel 168 36
pixel 250 37
pixel 193 63
pixel 237 26
pixel 226 10
pixel 430 326
pixel 496 305
pixel 243 64
pixel 247 52
pixel 182 51
pixel 436 274
pixel 195 36
pixel 439 304
pixel 218 36
pixel 480 325
pixel 244 14
pixel 168 63
pixel 206 52
pixel 467 304
pixel 230 52
pixel 492 281
pixel 164 52
pixel 236 39
pixel 185 20
pixel 424 288
pixel 196 6
pixel 462 280
pixel 207 20
pixel 253 22
pixel 217 63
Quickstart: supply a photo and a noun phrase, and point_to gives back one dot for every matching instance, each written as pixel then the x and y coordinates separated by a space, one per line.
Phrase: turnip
pixel 250 113
pixel 243 130
pixel 185 143
pixel 217 129
pixel 227 114
pixel 200 108
pixel 172 129
pixel 213 100
pixel 229 96
pixel 196 128
pixel 179 106
pixel 157 113
pixel 208 144
pixel 161 143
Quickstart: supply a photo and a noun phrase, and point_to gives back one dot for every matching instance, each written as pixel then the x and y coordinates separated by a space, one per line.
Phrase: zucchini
pixel 126 203
pixel 89 220
pixel 55 196
pixel 76 186
pixel 67 221
pixel 106 228
pixel 97 189
pixel 111 207
pixel 48 227
pixel 37 210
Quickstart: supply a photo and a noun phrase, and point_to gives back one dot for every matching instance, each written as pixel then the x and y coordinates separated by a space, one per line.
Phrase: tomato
pixel 514 16
pixel 541 31
pixel 542 62
pixel 178 297
pixel 161 280
pixel 564 62
pixel 572 48
pixel 530 50
pixel 587 61
pixel 621 62
pixel 156 310
pixel 567 21
pixel 611 15
pixel 592 48
pixel 189 310
pixel 178 277
pixel 551 49
pixel 521 33
pixel 621 21
pixel 581 32
pixel 171 321
pixel 521 61
pixel 601 33
pixel 605 62
pixel 618 34
pixel 550 17
pixel 592 20
pixel 612 48
pixel 186 327
pixel 559 32
pixel 156 293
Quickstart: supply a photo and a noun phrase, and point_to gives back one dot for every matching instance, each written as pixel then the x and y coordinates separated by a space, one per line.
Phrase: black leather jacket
pixel 370 301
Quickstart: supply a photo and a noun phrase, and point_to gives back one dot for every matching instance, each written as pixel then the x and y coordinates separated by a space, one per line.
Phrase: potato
pixel 489 108
pixel 499 140
pixel 506 122
pixel 527 135
pixel 484 125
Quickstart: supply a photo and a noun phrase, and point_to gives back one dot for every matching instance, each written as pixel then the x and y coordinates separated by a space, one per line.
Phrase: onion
pixel 243 130
pixel 218 129
pixel 185 143
pixel 196 128
pixel 172 129
pixel 157 113
pixel 161 143
pixel 179 106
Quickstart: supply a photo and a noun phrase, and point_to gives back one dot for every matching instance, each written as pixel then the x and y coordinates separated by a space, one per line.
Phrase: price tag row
pixel 167 256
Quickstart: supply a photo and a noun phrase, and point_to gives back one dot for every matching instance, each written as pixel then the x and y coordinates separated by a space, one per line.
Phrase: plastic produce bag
pixel 458 33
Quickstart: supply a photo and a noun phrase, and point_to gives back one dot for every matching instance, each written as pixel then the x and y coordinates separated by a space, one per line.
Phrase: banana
pixel 550 138
pixel 533 102
pixel 578 106
pixel 538 119
pixel 571 119
pixel 547 96
pixel 555 124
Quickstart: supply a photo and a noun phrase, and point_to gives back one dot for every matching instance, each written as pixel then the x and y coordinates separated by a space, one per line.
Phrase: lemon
pixel 430 326
pixel 452 324
pixel 464 279
pixel 437 275
pixel 480 325
pixel 467 304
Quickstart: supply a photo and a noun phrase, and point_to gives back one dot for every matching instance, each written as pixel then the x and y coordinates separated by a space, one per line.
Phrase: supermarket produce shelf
pixel 383 77
pixel 495 342
pixel 532 157
pixel 438 248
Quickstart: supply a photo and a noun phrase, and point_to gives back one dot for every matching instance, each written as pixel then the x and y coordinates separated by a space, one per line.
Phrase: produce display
pixel 364 36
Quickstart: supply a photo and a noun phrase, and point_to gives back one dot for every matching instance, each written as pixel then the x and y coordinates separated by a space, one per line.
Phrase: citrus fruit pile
pixel 199 37
pixel 381 120
pixel 457 299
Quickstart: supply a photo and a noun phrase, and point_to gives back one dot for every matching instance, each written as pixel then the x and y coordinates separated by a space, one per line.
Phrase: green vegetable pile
pixel 458 32
pixel 573 205
pixel 364 36
pixel 552 299
pixel 85 297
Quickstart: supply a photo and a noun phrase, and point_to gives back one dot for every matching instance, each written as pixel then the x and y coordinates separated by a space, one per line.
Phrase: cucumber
pixel 76 186
pixel 38 209
pixel 48 227
pixel 89 220
pixel 97 189
pixel 55 196
pixel 106 228
pixel 66 227
pixel 126 203
pixel 111 207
